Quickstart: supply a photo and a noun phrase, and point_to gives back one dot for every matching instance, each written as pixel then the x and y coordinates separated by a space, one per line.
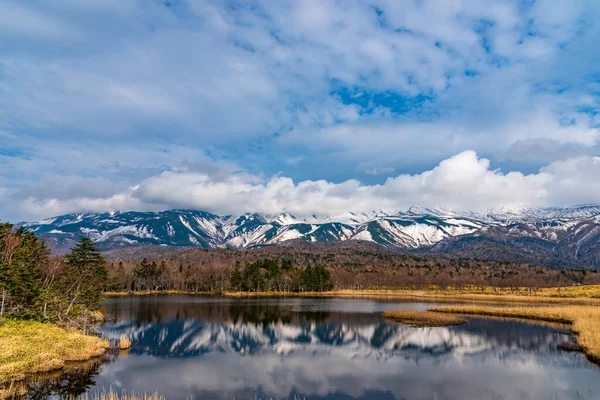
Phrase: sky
pixel 307 107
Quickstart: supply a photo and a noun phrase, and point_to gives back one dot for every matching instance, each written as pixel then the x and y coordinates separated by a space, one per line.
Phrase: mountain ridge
pixel 567 236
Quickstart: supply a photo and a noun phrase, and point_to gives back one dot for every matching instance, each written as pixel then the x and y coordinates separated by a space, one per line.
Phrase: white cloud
pixel 463 182
pixel 124 91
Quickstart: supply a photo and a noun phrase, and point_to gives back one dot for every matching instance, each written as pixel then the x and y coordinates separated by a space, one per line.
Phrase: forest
pixel 67 289
pixel 34 285
pixel 301 269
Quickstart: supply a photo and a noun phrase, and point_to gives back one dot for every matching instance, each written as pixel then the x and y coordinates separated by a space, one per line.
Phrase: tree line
pixel 62 290
pixel 263 275
pixel 291 269
pixel 67 289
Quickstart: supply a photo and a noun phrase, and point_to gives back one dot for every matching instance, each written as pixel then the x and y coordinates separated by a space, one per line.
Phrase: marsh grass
pixel 124 342
pixel 29 347
pixel 112 395
pixel 422 318
pixel 435 295
pixel 584 320
pixel 157 293
pixel 583 295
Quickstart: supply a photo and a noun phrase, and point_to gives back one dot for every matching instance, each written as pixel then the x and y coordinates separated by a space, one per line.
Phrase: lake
pixel 219 348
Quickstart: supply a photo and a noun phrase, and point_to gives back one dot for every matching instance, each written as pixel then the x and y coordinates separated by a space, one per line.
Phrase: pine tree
pixel 287 264
pixel 317 279
pixel 22 255
pixel 253 279
pixel 90 267
pixel 236 281
pixel 323 278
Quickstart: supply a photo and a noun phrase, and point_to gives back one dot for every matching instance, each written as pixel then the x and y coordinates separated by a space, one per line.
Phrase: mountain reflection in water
pixel 199 347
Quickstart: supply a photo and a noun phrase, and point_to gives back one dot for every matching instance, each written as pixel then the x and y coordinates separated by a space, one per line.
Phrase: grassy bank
pixel 157 293
pixel 579 295
pixel 438 295
pixel 28 347
pixel 112 395
pixel 584 321
pixel 422 318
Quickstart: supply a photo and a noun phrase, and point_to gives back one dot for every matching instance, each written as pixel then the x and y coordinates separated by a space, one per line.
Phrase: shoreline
pixel 584 321
pixel 407 294
pixel 31 347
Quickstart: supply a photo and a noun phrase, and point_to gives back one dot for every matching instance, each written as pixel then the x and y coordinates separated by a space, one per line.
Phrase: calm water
pixel 212 348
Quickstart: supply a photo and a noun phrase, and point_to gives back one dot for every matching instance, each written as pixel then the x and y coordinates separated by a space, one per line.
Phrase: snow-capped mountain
pixel 550 236
pixel 406 230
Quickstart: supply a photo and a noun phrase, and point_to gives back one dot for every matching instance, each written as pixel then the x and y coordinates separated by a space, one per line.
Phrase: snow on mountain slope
pixel 547 214
pixel 410 229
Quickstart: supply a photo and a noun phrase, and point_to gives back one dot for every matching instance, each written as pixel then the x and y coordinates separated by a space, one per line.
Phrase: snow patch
pixel 364 235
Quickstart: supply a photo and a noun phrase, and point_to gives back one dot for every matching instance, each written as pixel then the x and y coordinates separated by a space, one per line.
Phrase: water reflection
pixel 319 348
pixel 73 380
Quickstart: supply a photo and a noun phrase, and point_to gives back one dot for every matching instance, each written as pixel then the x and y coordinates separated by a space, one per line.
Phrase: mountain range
pixel 555 237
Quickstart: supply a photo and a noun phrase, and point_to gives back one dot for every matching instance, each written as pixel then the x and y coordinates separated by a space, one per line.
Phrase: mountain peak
pixel 577 228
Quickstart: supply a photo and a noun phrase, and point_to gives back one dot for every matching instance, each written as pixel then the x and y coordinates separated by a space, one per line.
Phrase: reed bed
pixel 113 395
pixel 124 342
pixel 422 318
pixel 157 293
pixel 433 295
pixel 584 320
pixel 29 347
pixel 576 295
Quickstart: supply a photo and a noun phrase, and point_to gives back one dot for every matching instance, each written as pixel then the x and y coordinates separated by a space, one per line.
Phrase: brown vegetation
pixel 198 270
pixel 112 395
pixel 29 347
pixel 124 342
pixel 433 293
pixel 422 318
pixel 585 320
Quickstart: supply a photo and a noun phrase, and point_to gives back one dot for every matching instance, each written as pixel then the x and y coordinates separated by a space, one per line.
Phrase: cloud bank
pixel 464 182
pixel 290 104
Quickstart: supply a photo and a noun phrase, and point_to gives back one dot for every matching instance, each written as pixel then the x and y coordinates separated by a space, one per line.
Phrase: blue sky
pixel 297 106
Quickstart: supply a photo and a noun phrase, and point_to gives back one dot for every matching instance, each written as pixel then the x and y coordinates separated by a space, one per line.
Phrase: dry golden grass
pixel 584 320
pixel 434 294
pixel 422 318
pixel 584 295
pixel 590 291
pixel 14 391
pixel 112 395
pixel 28 347
pixel 124 342
pixel 154 293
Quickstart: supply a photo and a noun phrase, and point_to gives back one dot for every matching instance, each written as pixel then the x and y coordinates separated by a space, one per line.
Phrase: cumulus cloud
pixel 464 182
pixel 298 101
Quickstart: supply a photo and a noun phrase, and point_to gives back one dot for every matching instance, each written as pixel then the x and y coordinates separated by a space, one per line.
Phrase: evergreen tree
pixel 286 264
pixel 236 281
pixel 253 279
pixel 91 271
pixel 317 279
pixel 146 273
pixel 308 278
pixel 324 282
pixel 22 255
pixel 121 276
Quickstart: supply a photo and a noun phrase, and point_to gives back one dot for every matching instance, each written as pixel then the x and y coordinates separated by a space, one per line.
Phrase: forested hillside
pixel 285 269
